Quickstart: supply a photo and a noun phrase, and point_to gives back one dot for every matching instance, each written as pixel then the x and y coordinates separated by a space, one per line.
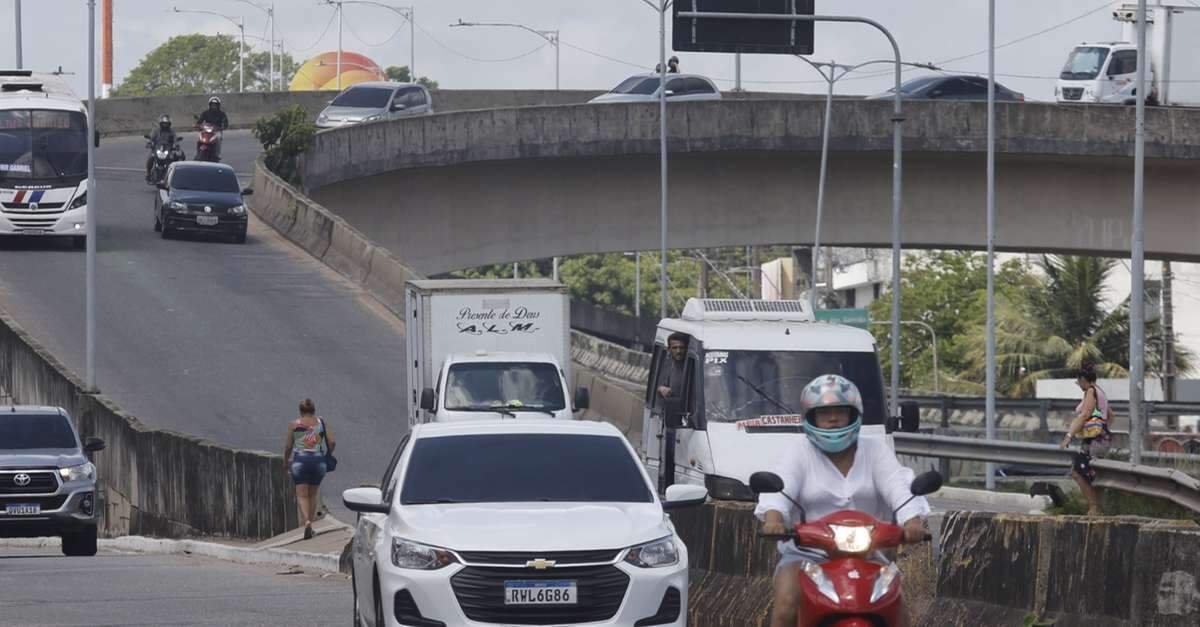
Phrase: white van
pixel 746 365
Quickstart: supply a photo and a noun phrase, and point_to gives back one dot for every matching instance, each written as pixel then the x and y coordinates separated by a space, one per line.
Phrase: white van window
pixel 741 385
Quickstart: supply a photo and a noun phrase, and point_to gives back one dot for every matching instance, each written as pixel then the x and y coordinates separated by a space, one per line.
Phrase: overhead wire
pixel 332 17
pixel 464 55
pixel 368 44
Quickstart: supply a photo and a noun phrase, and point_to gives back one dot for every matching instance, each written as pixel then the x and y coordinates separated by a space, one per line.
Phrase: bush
pixel 284 137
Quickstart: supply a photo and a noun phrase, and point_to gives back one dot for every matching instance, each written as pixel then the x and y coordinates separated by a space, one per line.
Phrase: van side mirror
pixel 427 399
pixel 91 445
pixel 926 483
pixel 910 416
pixel 583 399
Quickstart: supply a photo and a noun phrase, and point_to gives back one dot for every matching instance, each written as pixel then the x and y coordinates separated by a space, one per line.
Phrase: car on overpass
pixel 950 87
pixel 518 522
pixel 201 198
pixel 47 483
pixel 644 88
pixel 375 100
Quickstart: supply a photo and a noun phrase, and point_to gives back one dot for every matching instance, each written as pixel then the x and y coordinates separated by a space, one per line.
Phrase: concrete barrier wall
pixel 996 568
pixel 124 116
pixel 154 482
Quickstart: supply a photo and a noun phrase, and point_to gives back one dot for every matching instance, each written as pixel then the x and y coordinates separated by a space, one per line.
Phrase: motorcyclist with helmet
pixel 163 135
pixel 215 116
pixel 832 470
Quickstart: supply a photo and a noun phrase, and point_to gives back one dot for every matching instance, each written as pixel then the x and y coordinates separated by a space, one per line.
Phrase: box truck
pixel 1104 71
pixel 489 348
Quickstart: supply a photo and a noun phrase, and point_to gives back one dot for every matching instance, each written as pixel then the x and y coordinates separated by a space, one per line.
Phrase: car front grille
pixel 480 593
pixel 27 482
pixel 23 207
pixel 521 558
pixel 1072 93
pixel 30 222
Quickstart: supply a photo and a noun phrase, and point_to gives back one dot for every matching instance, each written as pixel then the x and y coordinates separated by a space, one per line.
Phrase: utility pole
pixel 1137 254
pixel 339 58
pixel 89 289
pixel 17 38
pixel 1168 314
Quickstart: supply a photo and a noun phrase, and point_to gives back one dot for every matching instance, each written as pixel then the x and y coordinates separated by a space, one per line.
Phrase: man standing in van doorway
pixel 671 381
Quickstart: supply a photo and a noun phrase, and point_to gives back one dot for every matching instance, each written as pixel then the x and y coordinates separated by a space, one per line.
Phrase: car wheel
pixel 80 543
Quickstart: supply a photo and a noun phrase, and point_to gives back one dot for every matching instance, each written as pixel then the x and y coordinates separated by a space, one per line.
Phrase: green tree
pixel 284 137
pixel 401 74
pixel 199 64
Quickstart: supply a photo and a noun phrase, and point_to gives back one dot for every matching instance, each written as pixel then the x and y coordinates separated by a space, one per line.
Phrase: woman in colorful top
pixel 1091 427
pixel 309 441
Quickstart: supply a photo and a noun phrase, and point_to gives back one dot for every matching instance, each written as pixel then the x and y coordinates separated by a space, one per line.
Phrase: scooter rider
pixel 833 470
pixel 164 134
pixel 213 115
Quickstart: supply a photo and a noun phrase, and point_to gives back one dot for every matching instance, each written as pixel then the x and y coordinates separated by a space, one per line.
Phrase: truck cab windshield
pixel 1084 63
pixel 742 385
pixel 514 386
pixel 42 145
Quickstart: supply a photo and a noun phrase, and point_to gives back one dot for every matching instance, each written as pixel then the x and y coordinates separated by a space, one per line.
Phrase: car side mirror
pixel 365 501
pixel 763 482
pixel 926 483
pixel 583 399
pixel 682 495
pixel 910 416
pixel 247 192
pixel 673 413
pixel 91 445
pixel 670 92
pixel 427 399
pixel 396 106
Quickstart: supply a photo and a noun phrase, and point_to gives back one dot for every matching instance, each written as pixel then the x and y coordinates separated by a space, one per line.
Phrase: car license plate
pixel 207 220
pixel 23 509
pixel 32 232
pixel 559 592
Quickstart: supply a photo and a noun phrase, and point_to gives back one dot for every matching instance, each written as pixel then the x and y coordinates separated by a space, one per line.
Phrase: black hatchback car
pixel 951 87
pixel 201 197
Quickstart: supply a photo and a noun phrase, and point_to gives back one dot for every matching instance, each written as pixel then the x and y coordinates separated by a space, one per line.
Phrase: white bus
pixel 43 157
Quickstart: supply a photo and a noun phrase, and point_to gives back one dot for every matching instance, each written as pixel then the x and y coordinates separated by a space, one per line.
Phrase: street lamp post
pixel 240 22
pixel 831 78
pixel 270 11
pixel 551 36
pixel 405 12
pixel 89 381
pixel 661 7
pixel 989 403
pixel 17 35
pixel 1137 311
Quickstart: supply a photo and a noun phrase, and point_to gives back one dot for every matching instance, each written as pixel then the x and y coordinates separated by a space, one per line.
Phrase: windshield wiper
pixel 499 409
pixel 764 394
pixel 512 407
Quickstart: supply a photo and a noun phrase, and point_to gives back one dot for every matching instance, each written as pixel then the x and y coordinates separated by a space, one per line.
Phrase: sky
pixel 602 42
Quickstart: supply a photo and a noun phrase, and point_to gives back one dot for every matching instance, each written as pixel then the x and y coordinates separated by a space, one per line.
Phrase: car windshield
pixel 205 179
pixel 742 385
pixel 523 468
pixel 916 85
pixel 34 431
pixel 36 144
pixel 1084 63
pixel 365 97
pixel 480 386
pixel 640 85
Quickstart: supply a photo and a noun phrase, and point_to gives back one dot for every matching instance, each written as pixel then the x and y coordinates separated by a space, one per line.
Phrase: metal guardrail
pixel 1166 483
pixel 951 403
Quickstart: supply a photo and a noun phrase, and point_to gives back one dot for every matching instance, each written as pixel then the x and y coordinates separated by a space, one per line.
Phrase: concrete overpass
pixel 475 187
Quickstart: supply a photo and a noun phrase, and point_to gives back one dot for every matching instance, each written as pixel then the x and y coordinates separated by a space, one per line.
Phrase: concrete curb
pixel 325 562
pixel 1034 504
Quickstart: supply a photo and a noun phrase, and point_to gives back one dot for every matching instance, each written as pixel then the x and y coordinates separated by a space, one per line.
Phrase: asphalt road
pixel 40 587
pixel 215 339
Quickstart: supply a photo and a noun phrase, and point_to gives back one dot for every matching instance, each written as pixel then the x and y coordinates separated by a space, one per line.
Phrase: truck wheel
pixel 80 544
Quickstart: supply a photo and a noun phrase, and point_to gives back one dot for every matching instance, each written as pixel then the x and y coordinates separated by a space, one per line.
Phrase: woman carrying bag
pixel 308 456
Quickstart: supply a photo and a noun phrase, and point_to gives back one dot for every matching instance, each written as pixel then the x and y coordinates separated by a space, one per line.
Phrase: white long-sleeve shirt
pixel 877 484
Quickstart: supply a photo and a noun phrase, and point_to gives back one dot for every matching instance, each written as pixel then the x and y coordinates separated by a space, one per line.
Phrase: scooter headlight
pixel 162 153
pixel 852 538
pixel 817 576
pixel 883 583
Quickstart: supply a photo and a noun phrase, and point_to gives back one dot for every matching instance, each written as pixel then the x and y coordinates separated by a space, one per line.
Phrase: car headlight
pixel 372 118
pixel 238 210
pixel 852 538
pixel 79 201
pixel 416 556
pixel 322 118
pixel 175 205
pixel 78 473
pixel 727 489
pixel 883 582
pixel 656 554
pixel 817 576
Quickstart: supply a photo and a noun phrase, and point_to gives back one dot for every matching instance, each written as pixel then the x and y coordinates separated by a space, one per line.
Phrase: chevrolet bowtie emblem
pixel 540 564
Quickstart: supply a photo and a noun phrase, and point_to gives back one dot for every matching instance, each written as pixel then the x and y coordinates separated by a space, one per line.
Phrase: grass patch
pixel 1117 503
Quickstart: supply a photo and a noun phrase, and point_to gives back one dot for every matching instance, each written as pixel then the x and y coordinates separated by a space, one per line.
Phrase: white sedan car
pixel 518 522
pixel 644 88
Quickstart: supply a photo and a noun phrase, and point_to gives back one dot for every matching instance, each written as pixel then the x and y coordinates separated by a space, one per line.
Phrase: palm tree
pixel 1051 330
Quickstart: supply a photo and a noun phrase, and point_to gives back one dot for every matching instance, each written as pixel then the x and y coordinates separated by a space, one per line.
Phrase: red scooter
pixel 849 590
pixel 208 144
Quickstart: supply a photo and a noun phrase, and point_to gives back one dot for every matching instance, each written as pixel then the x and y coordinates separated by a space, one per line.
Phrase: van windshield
pixel 743 385
pixel 516 386
pixel 1084 63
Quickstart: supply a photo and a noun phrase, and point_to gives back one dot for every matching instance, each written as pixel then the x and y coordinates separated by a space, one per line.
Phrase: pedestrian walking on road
pixel 306 455
pixel 1090 425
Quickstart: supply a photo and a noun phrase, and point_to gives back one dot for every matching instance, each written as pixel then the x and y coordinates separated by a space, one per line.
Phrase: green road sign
pixel 850 317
